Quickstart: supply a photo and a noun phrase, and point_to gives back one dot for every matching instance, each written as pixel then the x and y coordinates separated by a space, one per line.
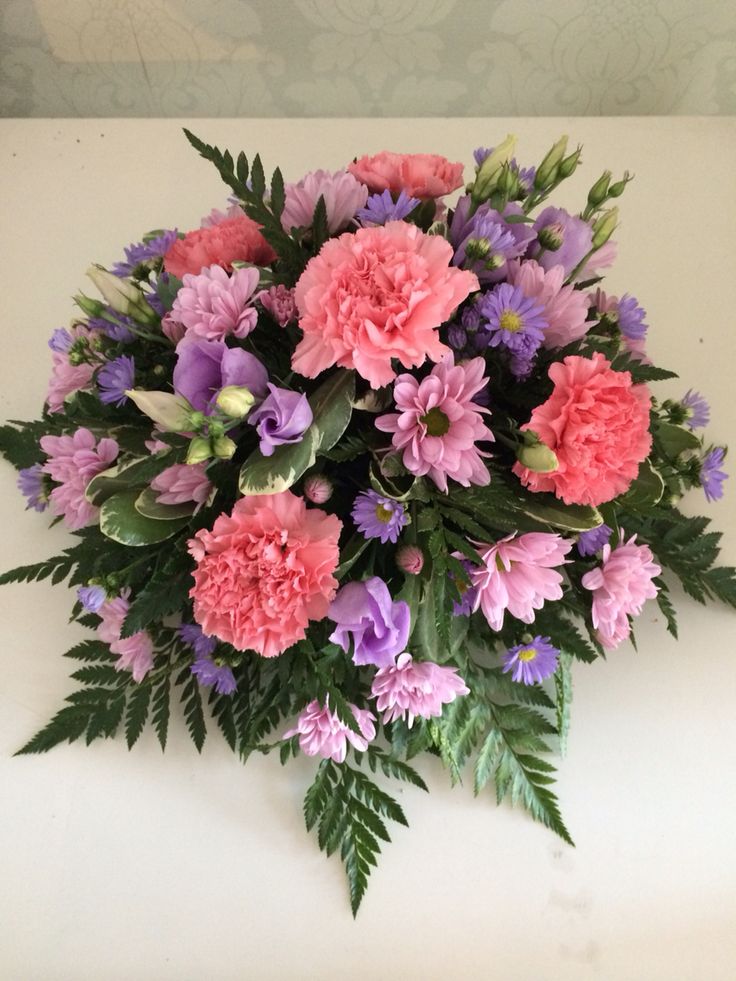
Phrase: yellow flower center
pixel 511 321
pixel 384 514
pixel 527 654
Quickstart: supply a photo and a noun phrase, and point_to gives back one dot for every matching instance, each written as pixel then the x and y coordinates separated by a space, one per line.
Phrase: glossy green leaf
pixel 120 521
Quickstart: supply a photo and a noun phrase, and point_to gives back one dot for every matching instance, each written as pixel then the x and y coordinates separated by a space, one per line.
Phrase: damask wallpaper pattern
pixel 366 57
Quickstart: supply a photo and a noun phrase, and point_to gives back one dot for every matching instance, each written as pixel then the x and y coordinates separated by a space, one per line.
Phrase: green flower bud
pixel 235 401
pixel 599 191
pixel 551 237
pixel 93 308
pixel 548 167
pixel 199 450
pixel 122 295
pixel 569 164
pixel 604 227
pixel 172 412
pixel 224 447
pixel 489 171
pixel 617 189
pixel 535 455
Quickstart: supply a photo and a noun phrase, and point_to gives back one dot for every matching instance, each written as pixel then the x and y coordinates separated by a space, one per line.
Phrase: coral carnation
pixel 565 308
pixel 264 572
pixel 597 423
pixel 73 462
pixel 236 239
pixel 420 175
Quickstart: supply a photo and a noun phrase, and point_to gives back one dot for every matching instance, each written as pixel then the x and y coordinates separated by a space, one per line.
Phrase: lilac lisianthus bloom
pixel 91 597
pixel 378 517
pixel 510 239
pixel 590 542
pixel 698 410
pixel 576 239
pixel 531 663
pixel 365 614
pixel 114 380
pixel 282 417
pixel 31 483
pixel 204 367
pixel 380 208
pixel 711 475
pixel 140 252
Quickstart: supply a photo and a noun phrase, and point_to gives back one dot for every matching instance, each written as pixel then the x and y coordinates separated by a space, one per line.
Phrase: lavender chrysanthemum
pixel 711 475
pixel 31 484
pixel 139 252
pixel 378 517
pixel 193 636
pixel 631 318
pixel 531 663
pixel 91 597
pixel 115 379
pixel 61 341
pixel 513 321
pixel 590 542
pixel 381 208
pixel 698 410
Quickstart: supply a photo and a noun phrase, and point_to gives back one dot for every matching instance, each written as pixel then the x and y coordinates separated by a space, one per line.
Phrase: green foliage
pixel 121 521
pixel 640 371
pixel 19 443
pixel 57 568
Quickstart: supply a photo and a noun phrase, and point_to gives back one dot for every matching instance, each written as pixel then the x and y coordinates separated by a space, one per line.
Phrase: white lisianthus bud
pixel 604 227
pixel 547 169
pixel 490 170
pixel 199 450
pixel 224 447
pixel 121 294
pixel 172 412
pixel 235 401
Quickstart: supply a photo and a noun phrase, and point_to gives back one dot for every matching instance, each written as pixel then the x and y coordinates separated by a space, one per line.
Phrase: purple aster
pixel 631 318
pixel 118 332
pixel 282 417
pixel 61 341
pixel 380 208
pixel 711 476
pixel 31 483
pixel 378 517
pixel 513 321
pixel 486 239
pixel 480 154
pixel 590 542
pixel 457 337
pixel 526 177
pixel 698 410
pixel 193 636
pixel 114 379
pixel 140 252
pixel 211 674
pixel 468 592
pixel 531 663
pixel 91 597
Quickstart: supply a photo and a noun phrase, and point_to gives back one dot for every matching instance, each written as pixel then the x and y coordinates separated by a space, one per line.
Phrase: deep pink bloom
pixel 135 653
pixel 620 586
pixel 438 425
pixel 65 376
pixel 374 295
pixel 72 462
pixel 415 688
pixel 236 239
pixel 321 733
pixel 181 483
pixel 410 559
pixel 264 572
pixel 343 194
pixel 565 308
pixel 518 574
pixel 420 175
pixel 214 305
pixel 280 303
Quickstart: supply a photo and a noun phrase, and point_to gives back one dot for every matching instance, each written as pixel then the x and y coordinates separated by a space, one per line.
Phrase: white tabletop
pixel 140 866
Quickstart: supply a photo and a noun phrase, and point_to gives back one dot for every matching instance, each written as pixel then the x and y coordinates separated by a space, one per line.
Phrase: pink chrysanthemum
pixel 420 175
pixel 182 483
pixel 67 377
pixel 264 572
pixel 518 574
pixel 438 425
pixel 135 653
pixel 374 295
pixel 620 586
pixel 230 240
pixel 343 194
pixel 214 305
pixel 72 462
pixel 411 689
pixel 565 308
pixel 321 733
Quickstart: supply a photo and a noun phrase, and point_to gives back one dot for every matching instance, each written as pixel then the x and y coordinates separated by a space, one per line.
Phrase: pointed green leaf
pixel 120 521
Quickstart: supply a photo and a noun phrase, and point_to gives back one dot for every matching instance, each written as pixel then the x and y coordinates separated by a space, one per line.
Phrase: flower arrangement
pixel 359 470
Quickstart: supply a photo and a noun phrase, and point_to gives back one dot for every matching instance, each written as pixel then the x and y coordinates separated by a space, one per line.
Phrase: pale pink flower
pixel 565 308
pixel 67 378
pixel 318 489
pixel 620 586
pixel 214 305
pixel 438 424
pixel 410 559
pixel 321 733
pixel 182 483
pixel 343 194
pixel 217 216
pixel 280 303
pixel 411 689
pixel 171 328
pixel 518 575
pixel 420 175
pixel 135 653
pixel 72 462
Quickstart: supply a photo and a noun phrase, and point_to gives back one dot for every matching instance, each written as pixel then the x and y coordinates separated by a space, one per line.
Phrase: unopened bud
pixel 318 489
pixel 535 455
pixel 120 294
pixel 477 248
pixel 551 237
pixel 494 261
pixel 600 190
pixel 224 447
pixel 410 559
pixel 548 167
pixel 199 450
pixel 93 308
pixel 604 227
pixel 569 164
pixel 172 412
pixel 617 189
pixel 489 171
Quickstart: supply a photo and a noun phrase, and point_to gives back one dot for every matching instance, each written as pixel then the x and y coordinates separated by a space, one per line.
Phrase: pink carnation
pixel 321 733
pixel 264 572
pixel 135 653
pixel 214 305
pixel 374 295
pixel 343 195
pixel 67 378
pixel 565 308
pixel 438 424
pixel 420 175
pixel 231 240
pixel 620 586
pixel 409 689
pixel 72 462
pixel 597 423
pixel 280 303
pixel 182 483
pixel 518 575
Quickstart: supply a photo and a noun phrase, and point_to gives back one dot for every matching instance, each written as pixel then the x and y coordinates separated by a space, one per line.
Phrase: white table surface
pixel 140 866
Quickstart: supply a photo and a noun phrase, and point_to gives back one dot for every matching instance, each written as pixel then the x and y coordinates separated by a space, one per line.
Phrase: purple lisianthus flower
pixel 576 235
pixel 115 379
pixel 91 597
pixel 515 322
pixel 61 341
pixel 204 367
pixel 503 240
pixel 282 417
pixel 377 625
pixel 698 410
pixel 380 208
pixel 213 675
pixel 711 475
pixel 140 252
pixel 631 318
pixel 468 592
pixel 590 542
pixel 531 663
pixel 32 485
pixel 378 517
pixel 193 636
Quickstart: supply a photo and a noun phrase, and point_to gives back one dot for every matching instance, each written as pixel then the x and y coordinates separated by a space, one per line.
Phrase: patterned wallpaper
pixel 366 57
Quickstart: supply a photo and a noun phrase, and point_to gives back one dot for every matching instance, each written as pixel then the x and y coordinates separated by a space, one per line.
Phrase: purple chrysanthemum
pixel 531 663
pixel 513 321
pixel 590 542
pixel 114 379
pixel 698 410
pixel 380 208
pixel 468 592
pixel 378 517
pixel 61 341
pixel 139 252
pixel 711 476
pixel 213 675
pixel 631 318
pixel 193 636
pixel 31 483
pixel 91 597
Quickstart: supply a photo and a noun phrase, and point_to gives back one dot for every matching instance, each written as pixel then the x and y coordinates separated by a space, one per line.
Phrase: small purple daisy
pixel 32 485
pixel 91 597
pixel 61 341
pixel 490 243
pixel 711 476
pixel 378 517
pixel 213 675
pixel 140 252
pixel 531 663
pixel 698 410
pixel 118 332
pixel 468 593
pixel 114 379
pixel 380 208
pixel 193 636
pixel 513 321
pixel 590 542
pixel 631 318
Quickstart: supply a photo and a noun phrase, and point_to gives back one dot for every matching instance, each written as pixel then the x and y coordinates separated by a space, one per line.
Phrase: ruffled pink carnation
pixel 67 378
pixel 597 423
pixel 264 572
pixel 565 308
pixel 182 483
pixel 374 295
pixel 343 195
pixel 280 303
pixel 620 586
pixel 321 733
pixel 420 175
pixel 231 240
pixel 411 689
pixel 214 305
pixel 135 653
pixel 72 462
pixel 518 574
pixel 438 425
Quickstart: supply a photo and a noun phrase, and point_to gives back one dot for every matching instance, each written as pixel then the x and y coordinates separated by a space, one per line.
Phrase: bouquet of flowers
pixel 357 472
